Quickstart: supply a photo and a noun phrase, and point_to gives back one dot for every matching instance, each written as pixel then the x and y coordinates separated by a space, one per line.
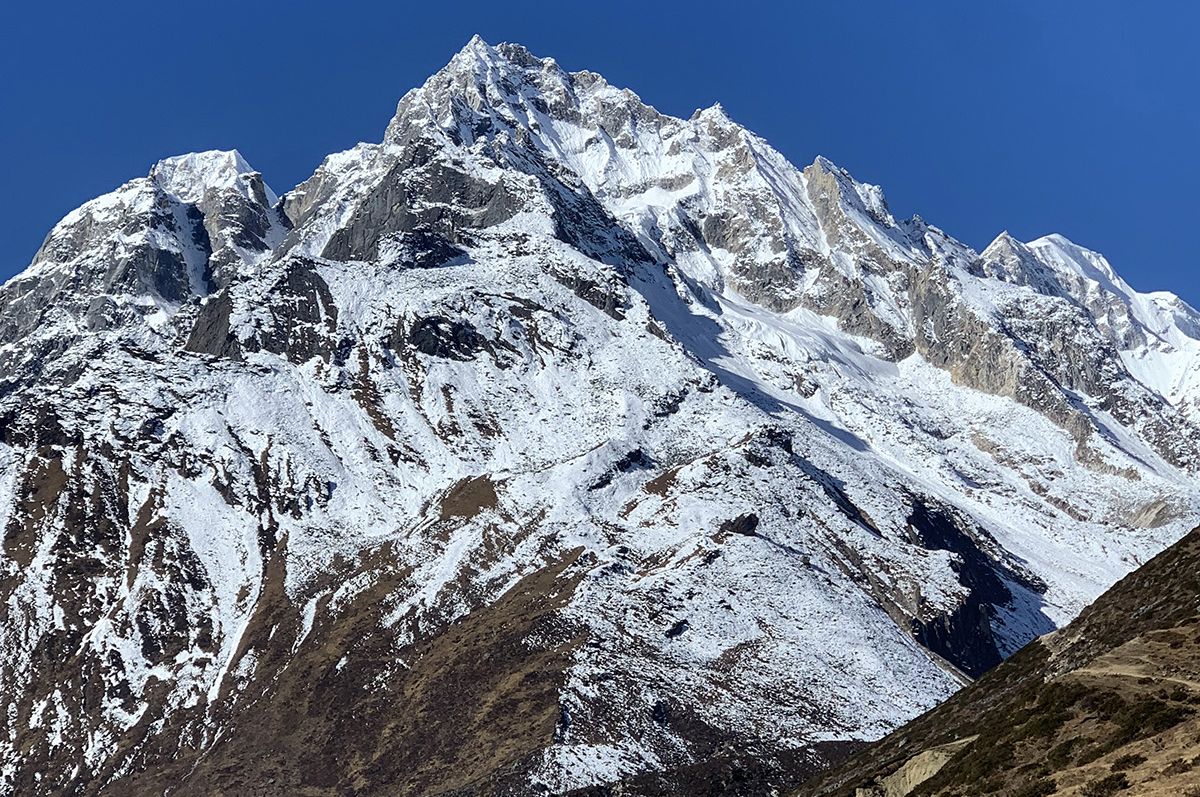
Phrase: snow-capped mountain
pixel 550 443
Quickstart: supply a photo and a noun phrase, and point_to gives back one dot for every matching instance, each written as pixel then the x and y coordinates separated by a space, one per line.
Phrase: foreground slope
pixel 1110 704
pixel 550 442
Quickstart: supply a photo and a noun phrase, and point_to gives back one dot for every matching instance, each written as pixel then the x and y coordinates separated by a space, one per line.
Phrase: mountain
pixel 549 445
pixel 1105 705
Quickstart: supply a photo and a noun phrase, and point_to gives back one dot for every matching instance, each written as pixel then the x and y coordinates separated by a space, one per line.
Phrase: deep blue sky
pixel 1073 117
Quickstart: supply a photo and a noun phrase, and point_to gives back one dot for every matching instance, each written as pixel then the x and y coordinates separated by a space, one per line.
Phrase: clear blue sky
pixel 1074 117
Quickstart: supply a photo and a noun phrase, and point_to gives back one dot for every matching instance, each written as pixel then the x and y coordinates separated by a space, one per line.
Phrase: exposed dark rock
pixel 609 298
pixel 303 315
pixel 677 629
pixel 962 637
pixel 437 336
pixel 637 459
pixel 746 525
pixel 834 488
pixel 211 334
pixel 423 194
pixel 422 249
pixel 936 529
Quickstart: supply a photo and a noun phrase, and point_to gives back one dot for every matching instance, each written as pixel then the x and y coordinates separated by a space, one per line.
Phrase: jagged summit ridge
pixel 614 435
pixel 657 173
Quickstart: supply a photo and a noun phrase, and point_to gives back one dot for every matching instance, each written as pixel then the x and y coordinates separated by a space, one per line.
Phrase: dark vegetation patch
pixel 1038 788
pixel 466 709
pixel 1126 762
pixel 1063 724
pixel 1105 786
pixel 1180 766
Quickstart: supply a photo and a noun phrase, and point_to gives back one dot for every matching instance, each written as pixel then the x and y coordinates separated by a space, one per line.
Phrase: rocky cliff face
pixel 550 444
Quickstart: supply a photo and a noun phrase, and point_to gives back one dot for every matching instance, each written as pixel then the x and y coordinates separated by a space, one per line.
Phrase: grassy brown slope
pixel 1108 705
pixel 474 706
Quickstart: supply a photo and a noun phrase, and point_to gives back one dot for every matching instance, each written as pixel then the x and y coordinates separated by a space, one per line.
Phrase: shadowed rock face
pixel 963 637
pixel 422 195
pixel 301 320
pixel 553 445
pixel 304 318
pixel 422 249
pixel 211 333
pixel 440 337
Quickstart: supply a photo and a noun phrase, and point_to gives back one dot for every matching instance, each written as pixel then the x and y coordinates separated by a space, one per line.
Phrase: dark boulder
pixel 438 336
pixel 746 525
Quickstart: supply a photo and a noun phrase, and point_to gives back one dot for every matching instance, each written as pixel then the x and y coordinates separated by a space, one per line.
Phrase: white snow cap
pixel 1064 255
pixel 713 113
pixel 474 54
pixel 1005 240
pixel 188 177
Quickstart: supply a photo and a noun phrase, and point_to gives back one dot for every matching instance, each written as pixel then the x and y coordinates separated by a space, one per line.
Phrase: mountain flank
pixel 1108 705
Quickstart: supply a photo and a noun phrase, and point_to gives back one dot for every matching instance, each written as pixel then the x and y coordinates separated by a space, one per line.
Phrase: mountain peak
pixel 189 177
pixel 1065 256
pixel 715 112
pixel 483 86
pixel 867 197
pixel 1003 242
pixel 823 163
pixel 477 53
pixel 1055 238
pixel 475 49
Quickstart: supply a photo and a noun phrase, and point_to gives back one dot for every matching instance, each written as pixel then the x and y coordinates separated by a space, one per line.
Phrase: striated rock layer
pixel 550 444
